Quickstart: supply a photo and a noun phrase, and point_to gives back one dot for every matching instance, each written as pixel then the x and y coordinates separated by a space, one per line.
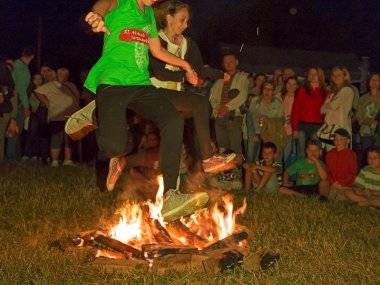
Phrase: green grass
pixel 329 243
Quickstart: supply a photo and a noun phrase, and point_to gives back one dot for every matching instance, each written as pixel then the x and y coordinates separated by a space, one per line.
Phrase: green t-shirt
pixel 306 172
pixel 125 56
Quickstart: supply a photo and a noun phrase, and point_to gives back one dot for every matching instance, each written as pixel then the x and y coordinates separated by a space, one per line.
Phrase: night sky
pixel 326 25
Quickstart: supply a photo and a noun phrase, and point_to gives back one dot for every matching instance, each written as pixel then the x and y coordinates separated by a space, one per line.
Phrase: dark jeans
pixel 228 133
pixel 196 107
pixel 308 131
pixel 151 103
pixel 37 137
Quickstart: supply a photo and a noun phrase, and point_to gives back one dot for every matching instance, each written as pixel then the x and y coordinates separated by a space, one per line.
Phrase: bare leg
pixel 324 188
pixel 263 180
pixel 248 177
pixel 287 191
pixel 352 196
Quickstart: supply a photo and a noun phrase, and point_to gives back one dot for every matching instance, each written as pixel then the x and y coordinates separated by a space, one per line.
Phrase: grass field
pixel 319 243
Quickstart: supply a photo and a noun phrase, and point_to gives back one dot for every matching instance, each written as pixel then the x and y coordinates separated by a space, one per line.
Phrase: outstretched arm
pixel 160 53
pixel 99 10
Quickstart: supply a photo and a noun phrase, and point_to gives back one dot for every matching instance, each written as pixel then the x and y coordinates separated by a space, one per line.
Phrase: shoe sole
pixel 223 167
pixel 188 208
pixel 81 123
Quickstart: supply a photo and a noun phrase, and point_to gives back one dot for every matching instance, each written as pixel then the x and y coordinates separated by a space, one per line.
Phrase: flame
pixel 139 223
pixel 129 226
pixel 218 223
pixel 156 208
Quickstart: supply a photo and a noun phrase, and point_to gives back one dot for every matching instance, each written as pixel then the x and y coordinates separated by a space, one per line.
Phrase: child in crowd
pixel 264 174
pixel 341 164
pixel 310 172
pixel 366 190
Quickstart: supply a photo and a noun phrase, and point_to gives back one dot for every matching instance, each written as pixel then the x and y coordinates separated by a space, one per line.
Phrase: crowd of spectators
pixel 294 134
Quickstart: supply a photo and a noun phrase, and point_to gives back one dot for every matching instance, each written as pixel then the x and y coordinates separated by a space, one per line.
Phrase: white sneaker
pixel 81 123
pixel 68 162
pixel 24 158
pixel 55 163
pixel 177 204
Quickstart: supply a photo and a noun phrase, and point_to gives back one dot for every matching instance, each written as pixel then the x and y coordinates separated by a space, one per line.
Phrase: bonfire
pixel 209 240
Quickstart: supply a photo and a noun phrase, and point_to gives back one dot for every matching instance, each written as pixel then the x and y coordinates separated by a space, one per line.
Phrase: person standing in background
pixel 8 103
pixel 21 77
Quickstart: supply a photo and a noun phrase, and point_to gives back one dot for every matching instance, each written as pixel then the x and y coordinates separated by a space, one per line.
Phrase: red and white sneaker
pixel 116 166
pixel 219 163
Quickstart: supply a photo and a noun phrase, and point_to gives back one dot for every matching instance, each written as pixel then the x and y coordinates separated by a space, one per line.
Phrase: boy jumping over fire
pixel 121 79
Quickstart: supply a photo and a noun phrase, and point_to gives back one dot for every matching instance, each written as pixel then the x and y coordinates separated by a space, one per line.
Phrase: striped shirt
pixel 368 178
pixel 276 165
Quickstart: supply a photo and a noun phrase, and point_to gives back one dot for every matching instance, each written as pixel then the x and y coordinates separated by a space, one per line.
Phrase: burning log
pixel 151 251
pixel 160 234
pixel 180 232
pixel 230 241
pixel 110 254
pixel 104 242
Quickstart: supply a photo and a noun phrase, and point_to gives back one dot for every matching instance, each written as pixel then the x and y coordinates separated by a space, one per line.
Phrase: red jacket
pixel 342 166
pixel 307 107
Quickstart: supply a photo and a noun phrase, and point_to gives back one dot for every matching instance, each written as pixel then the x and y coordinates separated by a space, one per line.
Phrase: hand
pixel 27 112
pixel 329 98
pixel 223 111
pixel 1 98
pixel 337 185
pixel 371 121
pixel 366 192
pixel 296 134
pixel 97 23
pixel 226 77
pixel 287 184
pixel 314 159
pixel 256 138
pixel 263 119
pixel 13 129
pixel 192 77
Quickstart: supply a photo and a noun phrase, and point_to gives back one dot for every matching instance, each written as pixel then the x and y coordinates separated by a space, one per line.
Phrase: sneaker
pixel 55 163
pixel 219 163
pixel 177 204
pixel 81 123
pixel 68 162
pixel 24 158
pixel 115 168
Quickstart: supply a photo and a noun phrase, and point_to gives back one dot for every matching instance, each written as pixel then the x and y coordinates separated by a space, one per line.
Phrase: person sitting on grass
pixel 310 172
pixel 366 189
pixel 264 174
pixel 341 165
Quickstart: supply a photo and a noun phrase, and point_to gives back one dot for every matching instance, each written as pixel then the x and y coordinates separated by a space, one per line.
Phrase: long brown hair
pixel 321 79
pixel 284 90
pixel 347 78
pixel 170 7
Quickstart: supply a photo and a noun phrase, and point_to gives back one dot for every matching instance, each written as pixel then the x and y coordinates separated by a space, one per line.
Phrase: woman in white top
pixel 338 105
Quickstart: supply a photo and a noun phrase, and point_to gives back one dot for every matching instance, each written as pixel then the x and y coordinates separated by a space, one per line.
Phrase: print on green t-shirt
pixel 306 172
pixel 125 58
